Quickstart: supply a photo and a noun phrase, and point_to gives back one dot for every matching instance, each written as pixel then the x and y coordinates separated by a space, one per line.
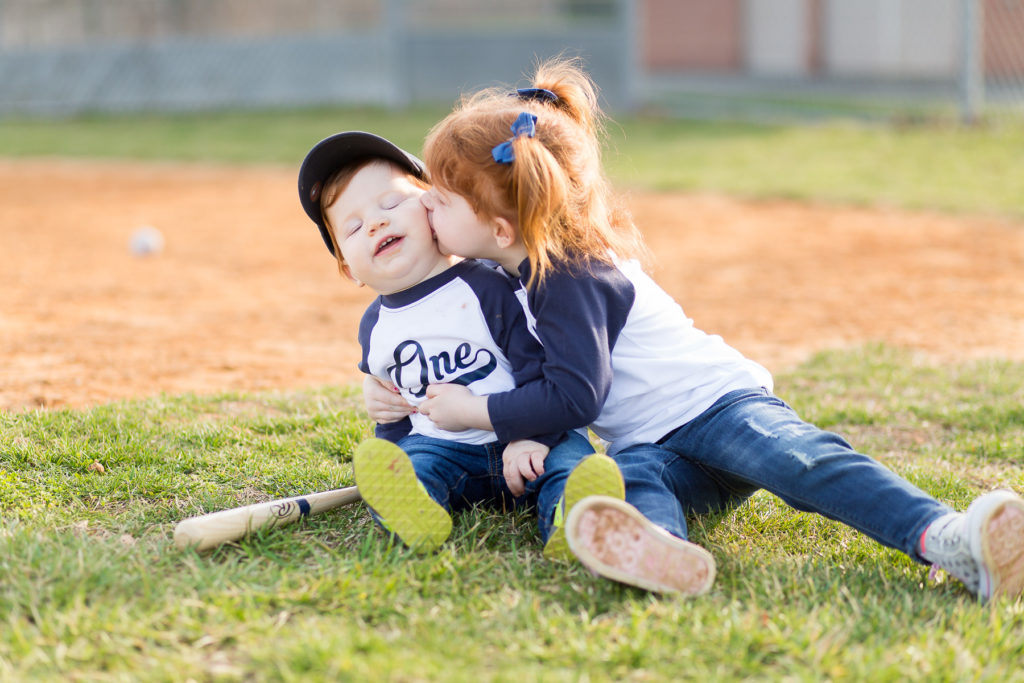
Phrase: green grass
pixel 920 167
pixel 929 166
pixel 264 136
pixel 92 588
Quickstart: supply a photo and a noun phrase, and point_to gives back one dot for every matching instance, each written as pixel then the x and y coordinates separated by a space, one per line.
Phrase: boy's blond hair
pixel 335 185
pixel 555 190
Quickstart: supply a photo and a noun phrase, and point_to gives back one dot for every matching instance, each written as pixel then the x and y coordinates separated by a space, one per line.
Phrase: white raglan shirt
pixel 620 356
pixel 465 326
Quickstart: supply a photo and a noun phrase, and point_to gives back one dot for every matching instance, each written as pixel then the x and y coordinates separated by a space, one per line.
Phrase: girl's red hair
pixel 555 191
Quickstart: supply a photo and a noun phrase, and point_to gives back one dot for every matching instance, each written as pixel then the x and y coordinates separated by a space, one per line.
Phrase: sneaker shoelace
pixel 946 546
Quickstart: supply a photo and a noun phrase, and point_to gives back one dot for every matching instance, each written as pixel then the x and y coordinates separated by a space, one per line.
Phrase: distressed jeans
pixel 458 476
pixel 750 439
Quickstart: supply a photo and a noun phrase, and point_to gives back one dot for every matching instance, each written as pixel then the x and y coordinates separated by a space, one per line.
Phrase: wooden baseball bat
pixel 206 531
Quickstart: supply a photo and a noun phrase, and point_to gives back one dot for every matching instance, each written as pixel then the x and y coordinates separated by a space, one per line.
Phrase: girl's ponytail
pixel 541 192
pixel 575 92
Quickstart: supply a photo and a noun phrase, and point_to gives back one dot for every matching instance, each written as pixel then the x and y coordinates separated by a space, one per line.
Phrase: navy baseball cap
pixel 342 149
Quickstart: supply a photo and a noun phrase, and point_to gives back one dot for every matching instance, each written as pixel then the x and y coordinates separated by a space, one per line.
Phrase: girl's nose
pixel 377 223
pixel 427 200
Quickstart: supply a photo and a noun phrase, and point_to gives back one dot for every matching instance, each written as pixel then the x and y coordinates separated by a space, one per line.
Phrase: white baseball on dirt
pixel 147 241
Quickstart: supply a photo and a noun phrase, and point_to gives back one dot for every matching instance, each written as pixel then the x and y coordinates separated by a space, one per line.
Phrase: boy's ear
pixel 348 273
pixel 504 233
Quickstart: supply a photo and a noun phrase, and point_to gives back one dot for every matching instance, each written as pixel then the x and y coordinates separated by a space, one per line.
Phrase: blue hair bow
pixel 525 124
pixel 535 94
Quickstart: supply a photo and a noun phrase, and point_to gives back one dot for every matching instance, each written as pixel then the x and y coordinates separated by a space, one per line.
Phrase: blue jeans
pixel 648 490
pixel 458 476
pixel 750 439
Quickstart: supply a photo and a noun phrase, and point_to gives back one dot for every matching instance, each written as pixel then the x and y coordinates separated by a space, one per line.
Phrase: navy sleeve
pixel 392 431
pixel 507 323
pixel 366 325
pixel 579 314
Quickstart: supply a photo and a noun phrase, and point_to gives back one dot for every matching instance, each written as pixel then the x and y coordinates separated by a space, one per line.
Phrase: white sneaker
pixel 614 540
pixel 983 547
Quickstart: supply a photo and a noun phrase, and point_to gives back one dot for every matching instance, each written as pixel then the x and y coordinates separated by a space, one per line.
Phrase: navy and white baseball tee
pixel 620 356
pixel 464 325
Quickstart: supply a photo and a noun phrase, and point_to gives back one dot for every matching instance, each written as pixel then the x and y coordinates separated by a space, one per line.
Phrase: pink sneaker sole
pixel 612 539
pixel 1000 545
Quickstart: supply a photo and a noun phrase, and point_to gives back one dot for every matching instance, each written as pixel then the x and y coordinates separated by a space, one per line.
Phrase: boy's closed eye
pixel 392 199
pixel 351 227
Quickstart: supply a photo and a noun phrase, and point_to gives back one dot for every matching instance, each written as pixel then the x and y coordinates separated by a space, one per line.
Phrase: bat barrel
pixel 207 531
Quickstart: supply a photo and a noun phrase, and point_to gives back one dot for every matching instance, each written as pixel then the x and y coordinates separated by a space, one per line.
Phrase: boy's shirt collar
pixel 417 291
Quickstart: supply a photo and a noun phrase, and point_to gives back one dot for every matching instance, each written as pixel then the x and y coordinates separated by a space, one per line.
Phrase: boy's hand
pixel 383 402
pixel 524 461
pixel 454 407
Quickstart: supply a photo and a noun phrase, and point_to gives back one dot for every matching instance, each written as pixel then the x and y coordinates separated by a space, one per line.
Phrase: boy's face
pixel 382 230
pixel 458 228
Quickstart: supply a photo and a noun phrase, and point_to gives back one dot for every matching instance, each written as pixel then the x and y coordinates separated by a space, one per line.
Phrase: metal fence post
pixel 396 35
pixel 632 71
pixel 972 61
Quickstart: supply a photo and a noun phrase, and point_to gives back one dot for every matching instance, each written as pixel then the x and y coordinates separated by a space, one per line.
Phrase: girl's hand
pixel 523 460
pixel 383 402
pixel 454 407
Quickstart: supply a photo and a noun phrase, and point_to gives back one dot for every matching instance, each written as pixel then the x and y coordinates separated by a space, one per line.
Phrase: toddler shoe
pixel 614 540
pixel 597 474
pixel 983 547
pixel 388 484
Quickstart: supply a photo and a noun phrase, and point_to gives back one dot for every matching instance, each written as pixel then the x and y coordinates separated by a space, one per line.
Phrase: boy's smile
pixel 382 230
pixel 387 242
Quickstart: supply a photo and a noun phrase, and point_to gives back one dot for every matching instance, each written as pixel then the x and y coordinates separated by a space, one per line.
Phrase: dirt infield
pixel 245 297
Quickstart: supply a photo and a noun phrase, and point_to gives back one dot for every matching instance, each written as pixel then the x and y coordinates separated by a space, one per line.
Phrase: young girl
pixel 518 179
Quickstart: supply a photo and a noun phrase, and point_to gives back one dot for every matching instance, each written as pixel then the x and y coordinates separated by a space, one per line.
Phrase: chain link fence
pixel 60 57
pixel 999 61
pixel 895 60
pixel 759 59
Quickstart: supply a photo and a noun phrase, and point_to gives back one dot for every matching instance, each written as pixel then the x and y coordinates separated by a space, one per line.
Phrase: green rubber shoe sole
pixel 388 483
pixel 595 475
